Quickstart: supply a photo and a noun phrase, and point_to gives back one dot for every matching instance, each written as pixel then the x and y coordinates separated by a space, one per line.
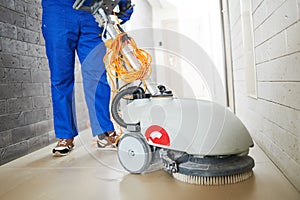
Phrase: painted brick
pixel 282 69
pixel 38 142
pixel 28 36
pixel 42 40
pixel 298 8
pixel 16 105
pixel 2 75
pixel 13 151
pixel 33 24
pixel 288 119
pixel 46 89
pixel 17 75
pixel 49 112
pixel 44 64
pixel 39 76
pixel 261 54
pixel 272 6
pixel 12 17
pixel 265 10
pixel 34 2
pixel 25 108
pixel 32 89
pixel 43 127
pixel 9 61
pixel 286 141
pixel 14 46
pixel 35 116
pixel 8 4
pixel 5 138
pixel 35 11
pixel 11 121
pixel 256 4
pixel 22 133
pixel 32 10
pixel 1 45
pixel 274 118
pixel 30 62
pixel 8 30
pixel 10 90
pixel 36 50
pixel 283 17
pixel 286 93
pixel 3 109
pixel 289 167
pixel 259 15
pixel 293 38
pixel 271 49
pixel 41 102
pixel 21 6
pixel 52 137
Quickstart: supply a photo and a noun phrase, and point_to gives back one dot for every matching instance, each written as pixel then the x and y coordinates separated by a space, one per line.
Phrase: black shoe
pixel 63 147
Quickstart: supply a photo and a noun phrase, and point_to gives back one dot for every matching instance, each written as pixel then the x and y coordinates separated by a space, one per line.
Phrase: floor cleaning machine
pixel 198 141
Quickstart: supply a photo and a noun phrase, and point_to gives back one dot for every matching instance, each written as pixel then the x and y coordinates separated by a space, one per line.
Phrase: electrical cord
pixel 118 65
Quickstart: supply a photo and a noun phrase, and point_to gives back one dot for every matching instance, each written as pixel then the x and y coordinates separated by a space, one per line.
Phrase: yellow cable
pixel 118 65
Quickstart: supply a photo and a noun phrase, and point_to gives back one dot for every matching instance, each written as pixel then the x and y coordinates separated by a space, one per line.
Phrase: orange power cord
pixel 118 65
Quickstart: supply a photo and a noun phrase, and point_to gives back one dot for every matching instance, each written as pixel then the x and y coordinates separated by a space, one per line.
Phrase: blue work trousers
pixel 67 31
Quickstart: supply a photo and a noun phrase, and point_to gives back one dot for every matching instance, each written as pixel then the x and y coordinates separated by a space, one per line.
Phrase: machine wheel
pixel 134 153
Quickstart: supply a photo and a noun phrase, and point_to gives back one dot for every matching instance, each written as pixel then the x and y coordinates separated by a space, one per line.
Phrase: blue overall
pixel 67 31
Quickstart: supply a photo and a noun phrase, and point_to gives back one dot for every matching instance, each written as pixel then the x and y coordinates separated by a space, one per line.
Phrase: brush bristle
pixel 213 180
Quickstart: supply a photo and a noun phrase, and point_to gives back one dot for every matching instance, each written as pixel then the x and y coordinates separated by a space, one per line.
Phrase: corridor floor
pixel 88 173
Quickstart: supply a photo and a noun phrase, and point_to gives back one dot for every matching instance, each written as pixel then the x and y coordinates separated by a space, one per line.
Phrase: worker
pixel 67 31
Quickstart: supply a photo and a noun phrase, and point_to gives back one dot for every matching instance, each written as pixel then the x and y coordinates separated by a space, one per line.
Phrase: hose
pixel 115 103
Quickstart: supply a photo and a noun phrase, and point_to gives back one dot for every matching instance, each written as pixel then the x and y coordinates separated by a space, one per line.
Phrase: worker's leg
pixel 59 30
pixel 97 91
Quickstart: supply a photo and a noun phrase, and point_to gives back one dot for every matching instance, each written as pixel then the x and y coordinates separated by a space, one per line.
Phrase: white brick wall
pixel 282 69
pixel 285 93
pixel 256 4
pixel 298 8
pixel 293 38
pixel 274 117
pixel 277 21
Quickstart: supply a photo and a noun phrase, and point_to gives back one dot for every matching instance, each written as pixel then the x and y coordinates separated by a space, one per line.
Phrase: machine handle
pixel 107 5
pixel 134 127
pixel 78 5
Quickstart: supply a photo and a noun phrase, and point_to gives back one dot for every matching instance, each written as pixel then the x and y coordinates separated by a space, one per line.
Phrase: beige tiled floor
pixel 88 174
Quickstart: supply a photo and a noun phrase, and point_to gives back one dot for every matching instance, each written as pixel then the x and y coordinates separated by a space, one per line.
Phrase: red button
pixel 157 135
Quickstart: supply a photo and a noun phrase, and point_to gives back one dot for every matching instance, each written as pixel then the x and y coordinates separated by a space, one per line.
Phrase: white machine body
pixel 197 127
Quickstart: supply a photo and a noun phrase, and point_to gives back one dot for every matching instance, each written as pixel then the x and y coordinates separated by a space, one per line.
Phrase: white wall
pixel 274 117
pixel 199 22
pixel 139 27
pixel 141 17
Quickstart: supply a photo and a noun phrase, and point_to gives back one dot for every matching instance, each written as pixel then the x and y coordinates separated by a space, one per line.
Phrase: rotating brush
pixel 215 171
